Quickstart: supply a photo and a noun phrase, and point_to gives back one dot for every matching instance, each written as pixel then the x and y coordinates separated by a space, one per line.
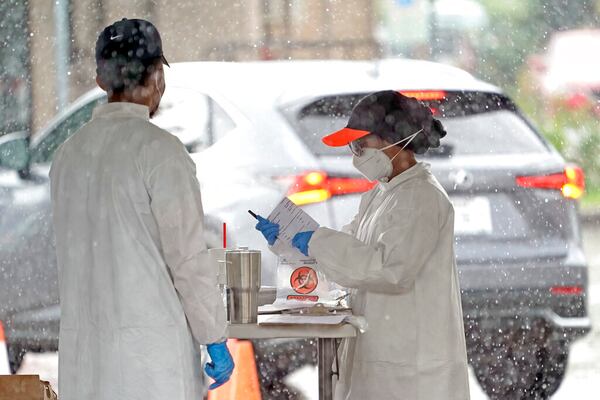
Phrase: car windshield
pixel 477 123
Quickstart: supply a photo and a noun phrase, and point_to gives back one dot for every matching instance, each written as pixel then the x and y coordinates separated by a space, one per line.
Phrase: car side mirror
pixel 14 151
pixel 445 150
pixel 196 146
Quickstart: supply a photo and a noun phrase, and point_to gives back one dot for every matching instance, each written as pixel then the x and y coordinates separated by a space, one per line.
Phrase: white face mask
pixel 374 164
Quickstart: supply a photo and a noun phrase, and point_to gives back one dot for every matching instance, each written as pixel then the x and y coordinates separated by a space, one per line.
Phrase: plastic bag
pixel 300 284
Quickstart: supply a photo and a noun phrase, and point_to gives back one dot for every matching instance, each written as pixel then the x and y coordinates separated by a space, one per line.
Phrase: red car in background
pixel 569 72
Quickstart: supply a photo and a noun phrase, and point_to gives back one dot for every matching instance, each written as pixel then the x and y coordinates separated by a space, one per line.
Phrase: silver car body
pixel 253 149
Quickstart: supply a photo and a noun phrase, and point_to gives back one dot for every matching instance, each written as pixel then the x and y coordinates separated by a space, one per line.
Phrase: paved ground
pixel 583 375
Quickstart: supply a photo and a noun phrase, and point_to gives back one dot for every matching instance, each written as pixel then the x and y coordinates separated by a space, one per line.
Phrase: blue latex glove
pixel 221 364
pixel 269 229
pixel 300 241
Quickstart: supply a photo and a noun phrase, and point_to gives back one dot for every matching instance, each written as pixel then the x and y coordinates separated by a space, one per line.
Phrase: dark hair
pixel 120 73
pixel 410 117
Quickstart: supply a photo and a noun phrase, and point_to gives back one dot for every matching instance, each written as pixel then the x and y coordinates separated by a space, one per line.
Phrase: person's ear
pixel 100 83
pixel 384 143
pixel 392 151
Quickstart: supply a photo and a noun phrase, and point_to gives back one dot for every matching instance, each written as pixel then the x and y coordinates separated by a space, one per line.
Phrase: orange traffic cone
pixel 243 384
pixel 4 365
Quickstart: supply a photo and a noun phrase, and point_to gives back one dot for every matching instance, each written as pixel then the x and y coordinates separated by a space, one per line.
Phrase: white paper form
pixel 287 319
pixel 291 219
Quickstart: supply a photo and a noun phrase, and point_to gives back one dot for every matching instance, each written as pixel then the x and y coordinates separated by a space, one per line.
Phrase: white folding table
pixel 325 335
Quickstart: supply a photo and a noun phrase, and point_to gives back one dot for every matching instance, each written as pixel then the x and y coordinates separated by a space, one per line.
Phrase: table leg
pixel 326 348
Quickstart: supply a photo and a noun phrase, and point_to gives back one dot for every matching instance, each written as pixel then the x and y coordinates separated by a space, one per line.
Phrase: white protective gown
pixel 138 294
pixel 398 254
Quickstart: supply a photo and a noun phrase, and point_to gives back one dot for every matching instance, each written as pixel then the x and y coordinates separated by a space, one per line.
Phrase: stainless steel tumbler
pixel 243 284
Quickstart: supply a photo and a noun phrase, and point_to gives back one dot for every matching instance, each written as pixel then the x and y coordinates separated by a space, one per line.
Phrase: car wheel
pixel 15 358
pixel 276 359
pixel 519 362
pixel 554 368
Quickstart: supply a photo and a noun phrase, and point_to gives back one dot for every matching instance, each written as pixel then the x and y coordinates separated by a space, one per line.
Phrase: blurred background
pixel 545 54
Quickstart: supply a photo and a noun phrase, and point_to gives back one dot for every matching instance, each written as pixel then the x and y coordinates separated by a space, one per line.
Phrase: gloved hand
pixel 269 229
pixel 300 241
pixel 221 364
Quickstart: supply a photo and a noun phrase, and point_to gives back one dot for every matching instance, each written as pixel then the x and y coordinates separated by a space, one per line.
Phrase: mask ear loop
pixel 414 135
pixel 409 138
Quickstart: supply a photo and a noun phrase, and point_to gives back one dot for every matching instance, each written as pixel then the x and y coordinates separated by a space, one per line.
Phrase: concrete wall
pixel 232 30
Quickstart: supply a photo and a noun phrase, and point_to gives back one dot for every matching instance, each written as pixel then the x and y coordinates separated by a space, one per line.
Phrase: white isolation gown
pixel 398 255
pixel 137 291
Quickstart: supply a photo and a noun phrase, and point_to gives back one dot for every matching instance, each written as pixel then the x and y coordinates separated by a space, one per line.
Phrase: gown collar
pixel 417 170
pixel 136 110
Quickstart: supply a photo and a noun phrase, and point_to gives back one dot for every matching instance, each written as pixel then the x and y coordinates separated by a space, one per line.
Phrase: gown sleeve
pixel 177 207
pixel 392 263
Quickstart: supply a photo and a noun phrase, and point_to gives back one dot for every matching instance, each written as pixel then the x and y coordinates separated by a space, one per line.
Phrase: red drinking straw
pixel 224 235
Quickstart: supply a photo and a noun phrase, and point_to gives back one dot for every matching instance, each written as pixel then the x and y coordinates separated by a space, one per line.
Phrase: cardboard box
pixel 25 387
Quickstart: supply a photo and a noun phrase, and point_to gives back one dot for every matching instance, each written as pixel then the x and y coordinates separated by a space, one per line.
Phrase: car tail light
pixel 317 186
pixel 566 290
pixel 425 95
pixel 571 182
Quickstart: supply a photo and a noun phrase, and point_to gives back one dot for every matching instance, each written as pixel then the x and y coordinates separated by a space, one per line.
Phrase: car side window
pixel 185 113
pixel 221 122
pixel 195 118
pixel 44 151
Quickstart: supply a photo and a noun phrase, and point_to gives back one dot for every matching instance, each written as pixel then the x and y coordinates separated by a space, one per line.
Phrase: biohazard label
pixel 304 280
pixel 301 283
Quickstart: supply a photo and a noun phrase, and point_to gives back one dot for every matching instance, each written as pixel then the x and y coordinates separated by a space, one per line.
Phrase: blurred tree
pixel 520 28
pixel 14 55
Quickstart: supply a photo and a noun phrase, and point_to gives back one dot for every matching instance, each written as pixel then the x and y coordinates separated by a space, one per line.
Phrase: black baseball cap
pixel 130 39
pixel 388 114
